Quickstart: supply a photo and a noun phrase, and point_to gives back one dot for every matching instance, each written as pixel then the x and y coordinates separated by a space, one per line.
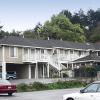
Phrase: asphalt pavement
pixel 39 95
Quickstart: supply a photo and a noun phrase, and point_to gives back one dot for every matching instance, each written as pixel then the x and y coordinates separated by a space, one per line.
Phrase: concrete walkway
pixel 46 80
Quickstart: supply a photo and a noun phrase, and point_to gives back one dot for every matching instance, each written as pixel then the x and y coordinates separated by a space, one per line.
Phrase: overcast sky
pixel 25 14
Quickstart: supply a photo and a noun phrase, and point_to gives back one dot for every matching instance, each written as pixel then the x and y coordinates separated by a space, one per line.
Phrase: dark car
pixel 7 87
pixel 9 75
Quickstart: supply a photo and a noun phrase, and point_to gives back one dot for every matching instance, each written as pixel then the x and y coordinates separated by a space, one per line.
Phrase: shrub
pixel 65 75
pixel 36 86
pixel 39 86
pixel 23 87
pixel 63 85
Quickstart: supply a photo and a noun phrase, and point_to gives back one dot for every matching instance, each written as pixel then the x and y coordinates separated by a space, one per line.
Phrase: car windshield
pixel 4 82
pixel 95 87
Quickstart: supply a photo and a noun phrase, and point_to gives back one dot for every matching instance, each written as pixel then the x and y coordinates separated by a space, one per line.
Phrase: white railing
pixel 54 63
pixel 52 59
pixel 42 58
pixel 36 58
pixel 47 57
pixel 28 58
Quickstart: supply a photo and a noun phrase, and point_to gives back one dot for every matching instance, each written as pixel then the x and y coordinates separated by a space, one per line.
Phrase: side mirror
pixel 82 91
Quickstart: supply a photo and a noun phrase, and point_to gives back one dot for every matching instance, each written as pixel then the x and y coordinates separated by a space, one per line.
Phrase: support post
pixel 48 70
pixel 43 70
pixel 4 70
pixel 72 66
pixel 59 70
pixel 67 65
pixel 29 71
pixel 36 71
pixel 3 64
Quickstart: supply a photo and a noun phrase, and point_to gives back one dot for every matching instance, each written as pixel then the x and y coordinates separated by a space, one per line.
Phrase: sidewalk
pixel 45 80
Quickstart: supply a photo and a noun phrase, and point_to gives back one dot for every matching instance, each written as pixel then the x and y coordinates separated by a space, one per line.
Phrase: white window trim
pixel 16 50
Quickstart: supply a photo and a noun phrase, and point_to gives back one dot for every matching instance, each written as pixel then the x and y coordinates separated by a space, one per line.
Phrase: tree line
pixel 78 27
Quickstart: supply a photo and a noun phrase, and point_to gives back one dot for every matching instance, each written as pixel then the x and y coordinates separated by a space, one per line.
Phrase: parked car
pixel 90 92
pixel 7 87
pixel 9 75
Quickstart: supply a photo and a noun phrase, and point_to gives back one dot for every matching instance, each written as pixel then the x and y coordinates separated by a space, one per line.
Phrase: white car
pixel 91 92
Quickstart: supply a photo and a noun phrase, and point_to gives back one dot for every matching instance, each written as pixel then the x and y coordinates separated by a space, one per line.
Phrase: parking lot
pixel 40 95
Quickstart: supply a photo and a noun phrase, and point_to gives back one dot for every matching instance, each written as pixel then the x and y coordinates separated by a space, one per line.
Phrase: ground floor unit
pixel 30 70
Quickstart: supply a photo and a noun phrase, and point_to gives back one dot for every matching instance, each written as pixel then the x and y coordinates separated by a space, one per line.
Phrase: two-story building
pixel 44 58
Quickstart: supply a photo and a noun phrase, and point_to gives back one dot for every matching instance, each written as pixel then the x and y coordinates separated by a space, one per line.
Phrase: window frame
pixel 98 85
pixel 15 53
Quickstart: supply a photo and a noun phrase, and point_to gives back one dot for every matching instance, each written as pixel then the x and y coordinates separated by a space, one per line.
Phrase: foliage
pixel 90 70
pixel 60 27
pixel 36 86
pixel 39 86
pixel 88 22
pixel 95 36
pixel 65 75
pixel 86 71
pixel 68 84
pixel 78 27
pixel 29 34
pixel 23 88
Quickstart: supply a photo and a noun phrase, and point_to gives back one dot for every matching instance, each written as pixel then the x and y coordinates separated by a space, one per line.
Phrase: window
pixel 13 52
pixel 38 50
pixel 66 51
pixel 25 51
pixel 98 53
pixel 61 51
pixel 49 51
pixel 79 53
pixel 42 51
pixel 32 51
pixel 91 88
pixel 71 51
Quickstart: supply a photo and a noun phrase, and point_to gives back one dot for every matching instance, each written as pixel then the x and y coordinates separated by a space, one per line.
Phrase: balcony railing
pixel 50 58
pixel 36 58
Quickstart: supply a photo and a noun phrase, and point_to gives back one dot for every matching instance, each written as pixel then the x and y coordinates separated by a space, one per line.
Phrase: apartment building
pixel 44 58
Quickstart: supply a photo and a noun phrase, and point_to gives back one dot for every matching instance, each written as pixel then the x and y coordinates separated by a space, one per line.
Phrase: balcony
pixel 36 58
pixel 29 58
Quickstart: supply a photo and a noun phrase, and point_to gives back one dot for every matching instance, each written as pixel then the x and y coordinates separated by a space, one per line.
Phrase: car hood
pixel 73 95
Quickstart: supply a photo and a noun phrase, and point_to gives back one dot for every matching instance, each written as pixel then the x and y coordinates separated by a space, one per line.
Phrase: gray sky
pixel 25 14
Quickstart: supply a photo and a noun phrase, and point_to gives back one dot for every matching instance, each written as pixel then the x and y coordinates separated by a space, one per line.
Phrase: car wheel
pixel 70 99
pixel 10 78
pixel 10 94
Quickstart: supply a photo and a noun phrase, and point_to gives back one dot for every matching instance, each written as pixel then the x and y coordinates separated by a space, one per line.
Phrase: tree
pixel 67 13
pixel 90 71
pixel 37 30
pixel 29 34
pixel 95 34
pixel 60 27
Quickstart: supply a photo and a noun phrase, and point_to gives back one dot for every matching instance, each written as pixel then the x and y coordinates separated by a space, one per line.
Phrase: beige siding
pixel 9 59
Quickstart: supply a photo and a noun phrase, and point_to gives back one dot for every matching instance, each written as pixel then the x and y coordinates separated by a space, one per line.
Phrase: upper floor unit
pixel 22 50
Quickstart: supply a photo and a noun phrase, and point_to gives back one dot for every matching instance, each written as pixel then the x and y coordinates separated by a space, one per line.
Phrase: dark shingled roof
pixel 91 57
pixel 13 40
pixel 97 46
